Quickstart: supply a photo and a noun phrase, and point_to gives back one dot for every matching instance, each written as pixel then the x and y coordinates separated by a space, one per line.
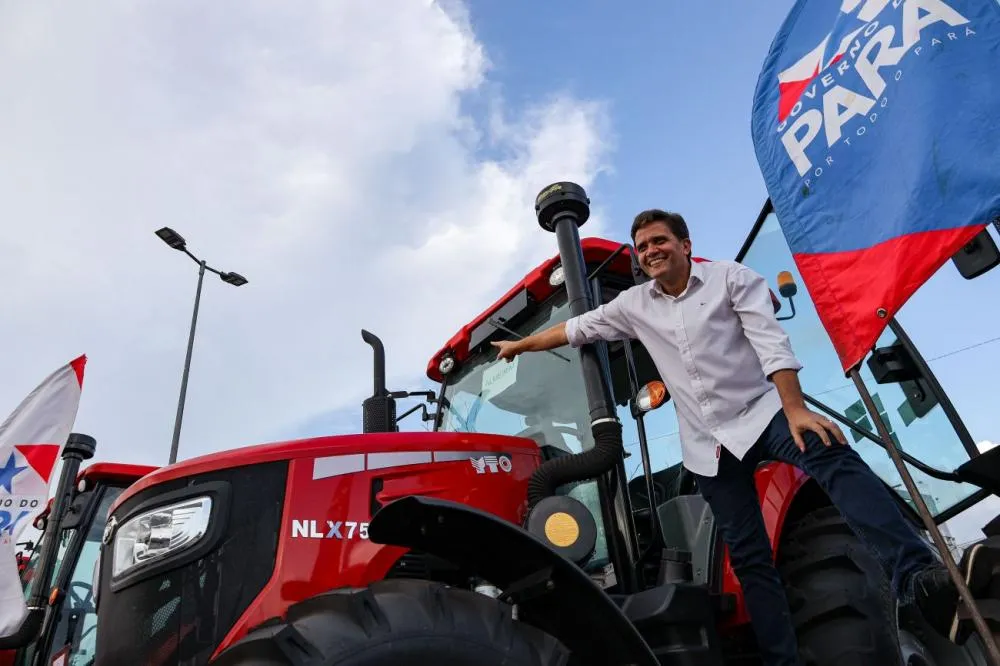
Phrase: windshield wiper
pixel 446 405
pixel 503 328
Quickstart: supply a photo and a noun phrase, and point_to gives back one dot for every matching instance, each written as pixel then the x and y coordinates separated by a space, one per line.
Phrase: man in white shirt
pixel 729 367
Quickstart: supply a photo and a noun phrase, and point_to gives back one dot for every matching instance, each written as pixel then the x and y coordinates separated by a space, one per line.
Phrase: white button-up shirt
pixel 715 346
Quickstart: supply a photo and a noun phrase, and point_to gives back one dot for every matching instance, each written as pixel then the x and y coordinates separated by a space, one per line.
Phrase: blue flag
pixel 875 127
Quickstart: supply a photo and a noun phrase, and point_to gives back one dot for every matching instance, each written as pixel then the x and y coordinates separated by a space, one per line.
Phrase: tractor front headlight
pixel 159 532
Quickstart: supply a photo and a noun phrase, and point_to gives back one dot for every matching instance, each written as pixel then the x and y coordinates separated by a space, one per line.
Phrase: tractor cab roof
pixel 536 284
pixel 114 473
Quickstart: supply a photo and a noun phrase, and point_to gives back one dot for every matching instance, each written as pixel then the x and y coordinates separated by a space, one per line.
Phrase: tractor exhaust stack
pixel 378 411
pixel 562 208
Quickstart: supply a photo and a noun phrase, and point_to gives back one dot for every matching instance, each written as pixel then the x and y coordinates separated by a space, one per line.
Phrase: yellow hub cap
pixel 562 529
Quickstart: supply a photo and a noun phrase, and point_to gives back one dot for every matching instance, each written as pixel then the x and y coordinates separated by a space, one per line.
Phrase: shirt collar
pixel 697 275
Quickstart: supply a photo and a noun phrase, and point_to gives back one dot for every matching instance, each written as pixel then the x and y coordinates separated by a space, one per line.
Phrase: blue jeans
pixel 856 491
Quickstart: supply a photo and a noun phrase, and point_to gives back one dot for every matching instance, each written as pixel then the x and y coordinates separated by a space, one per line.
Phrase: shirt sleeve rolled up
pixel 605 322
pixel 751 299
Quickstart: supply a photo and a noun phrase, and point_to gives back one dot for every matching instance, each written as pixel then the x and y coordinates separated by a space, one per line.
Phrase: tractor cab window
pixel 76 615
pixel 917 421
pixel 27 573
pixel 539 396
pixel 26 655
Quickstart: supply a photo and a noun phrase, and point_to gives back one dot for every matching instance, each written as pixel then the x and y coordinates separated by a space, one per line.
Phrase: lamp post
pixel 177 242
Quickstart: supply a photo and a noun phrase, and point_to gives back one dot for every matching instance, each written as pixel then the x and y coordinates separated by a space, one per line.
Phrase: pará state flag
pixel 31 441
pixel 874 124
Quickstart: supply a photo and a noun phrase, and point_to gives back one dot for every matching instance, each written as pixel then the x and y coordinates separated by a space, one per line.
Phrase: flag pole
pixel 965 594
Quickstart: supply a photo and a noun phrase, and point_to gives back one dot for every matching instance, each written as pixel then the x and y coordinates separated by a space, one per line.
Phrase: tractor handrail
pixel 867 434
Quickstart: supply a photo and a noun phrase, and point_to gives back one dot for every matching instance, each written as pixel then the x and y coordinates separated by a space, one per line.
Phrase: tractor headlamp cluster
pixel 159 532
pixel 447 365
pixel 557 276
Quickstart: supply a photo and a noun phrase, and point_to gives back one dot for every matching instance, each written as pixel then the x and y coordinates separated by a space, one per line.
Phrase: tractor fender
pixel 551 592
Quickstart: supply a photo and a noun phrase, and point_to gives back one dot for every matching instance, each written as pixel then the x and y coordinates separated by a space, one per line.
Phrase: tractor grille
pixel 180 614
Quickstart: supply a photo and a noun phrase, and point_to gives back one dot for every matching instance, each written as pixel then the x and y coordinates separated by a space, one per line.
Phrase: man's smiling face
pixel 661 254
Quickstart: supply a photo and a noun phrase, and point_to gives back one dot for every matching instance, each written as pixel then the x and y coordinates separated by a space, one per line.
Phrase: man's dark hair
pixel 678 227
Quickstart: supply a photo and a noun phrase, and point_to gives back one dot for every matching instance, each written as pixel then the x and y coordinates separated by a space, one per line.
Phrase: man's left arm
pixel 751 300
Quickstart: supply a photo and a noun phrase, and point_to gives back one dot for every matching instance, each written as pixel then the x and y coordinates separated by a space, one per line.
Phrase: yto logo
pixel 491 464
pixel 845 74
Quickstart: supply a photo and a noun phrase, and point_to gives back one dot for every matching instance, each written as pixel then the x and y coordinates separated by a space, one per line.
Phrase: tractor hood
pixel 360 450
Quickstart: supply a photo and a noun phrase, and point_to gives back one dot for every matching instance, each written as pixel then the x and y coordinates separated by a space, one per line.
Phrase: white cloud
pixel 319 148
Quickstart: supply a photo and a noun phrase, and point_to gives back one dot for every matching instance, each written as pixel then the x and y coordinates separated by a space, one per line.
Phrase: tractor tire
pixel 841 604
pixel 396 622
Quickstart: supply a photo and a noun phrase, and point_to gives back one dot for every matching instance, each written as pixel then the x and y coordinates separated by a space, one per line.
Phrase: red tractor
pixel 537 524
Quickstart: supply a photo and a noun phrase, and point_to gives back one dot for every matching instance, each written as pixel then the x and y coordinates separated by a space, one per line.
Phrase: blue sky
pixel 678 78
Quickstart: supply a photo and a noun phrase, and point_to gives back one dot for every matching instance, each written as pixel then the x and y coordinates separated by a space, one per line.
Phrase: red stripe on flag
pixel 77 365
pixel 789 93
pixel 850 287
pixel 41 457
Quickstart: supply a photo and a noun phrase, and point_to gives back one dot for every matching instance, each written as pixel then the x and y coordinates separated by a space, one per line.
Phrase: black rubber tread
pixel 839 598
pixel 395 622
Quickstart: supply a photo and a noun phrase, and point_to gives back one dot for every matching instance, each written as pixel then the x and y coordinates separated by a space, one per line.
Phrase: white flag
pixel 31 440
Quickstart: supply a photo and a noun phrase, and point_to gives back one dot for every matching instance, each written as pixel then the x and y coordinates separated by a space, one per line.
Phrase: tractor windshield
pixel 538 395
pixel 530 396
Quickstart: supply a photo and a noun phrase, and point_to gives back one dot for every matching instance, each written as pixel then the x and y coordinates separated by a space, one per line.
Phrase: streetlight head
pixel 234 279
pixel 171 238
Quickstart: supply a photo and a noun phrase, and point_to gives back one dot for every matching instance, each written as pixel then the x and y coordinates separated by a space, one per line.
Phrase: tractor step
pixel 678 621
pixel 980 564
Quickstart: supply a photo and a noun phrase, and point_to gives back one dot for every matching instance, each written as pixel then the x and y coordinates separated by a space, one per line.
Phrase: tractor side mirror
pixel 978 255
pixel 788 289
pixel 74 512
pixel 895 364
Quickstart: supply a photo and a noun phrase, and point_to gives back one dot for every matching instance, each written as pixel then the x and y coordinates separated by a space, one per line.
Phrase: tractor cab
pixel 69 628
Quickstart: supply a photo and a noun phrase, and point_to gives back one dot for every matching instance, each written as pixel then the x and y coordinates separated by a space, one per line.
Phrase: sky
pixel 365 165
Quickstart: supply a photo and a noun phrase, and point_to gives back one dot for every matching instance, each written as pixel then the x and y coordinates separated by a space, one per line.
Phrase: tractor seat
pixel 670 482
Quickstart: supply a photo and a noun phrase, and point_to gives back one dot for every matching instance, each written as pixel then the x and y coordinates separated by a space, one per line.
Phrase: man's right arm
pixel 606 322
pixel 550 338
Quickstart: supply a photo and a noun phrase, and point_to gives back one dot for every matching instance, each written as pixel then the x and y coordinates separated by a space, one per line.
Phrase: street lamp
pixel 177 242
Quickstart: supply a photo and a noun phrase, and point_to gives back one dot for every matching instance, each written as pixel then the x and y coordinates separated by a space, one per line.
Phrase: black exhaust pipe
pixel 378 411
pixel 78 448
pixel 562 208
